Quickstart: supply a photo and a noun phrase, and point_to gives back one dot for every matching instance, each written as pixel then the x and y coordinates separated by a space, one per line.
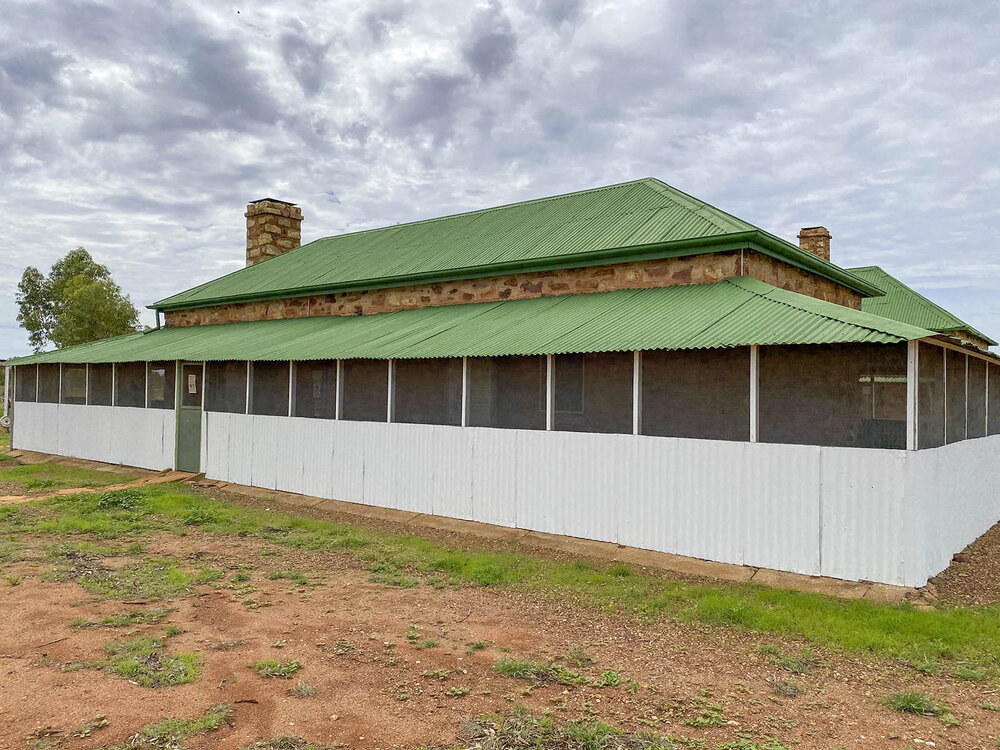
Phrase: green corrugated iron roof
pixel 900 302
pixel 630 221
pixel 735 312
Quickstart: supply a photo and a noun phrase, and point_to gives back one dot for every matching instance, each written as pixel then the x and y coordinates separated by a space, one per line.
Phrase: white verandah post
pixel 550 391
pixel 338 406
pixel 465 391
pixel 636 392
pixel 912 394
pixel 390 407
pixel 754 393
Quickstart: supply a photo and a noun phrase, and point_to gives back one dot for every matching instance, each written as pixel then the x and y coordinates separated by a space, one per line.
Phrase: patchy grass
pixel 949 634
pixel 803 662
pixel 275 669
pixel 151 579
pixel 522 729
pixel 149 616
pixel 144 661
pixel 920 704
pixel 538 672
pixel 414 639
pixel 170 734
pixel 475 646
pixel 50 476
pixel 295 576
pixel 288 743
pixel 745 742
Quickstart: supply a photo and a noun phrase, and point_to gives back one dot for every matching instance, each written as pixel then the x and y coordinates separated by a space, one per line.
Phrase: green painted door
pixel 189 418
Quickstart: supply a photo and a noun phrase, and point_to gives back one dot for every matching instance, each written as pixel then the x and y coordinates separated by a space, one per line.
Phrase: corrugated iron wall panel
pixel 113 434
pixel 782 497
pixel 863 515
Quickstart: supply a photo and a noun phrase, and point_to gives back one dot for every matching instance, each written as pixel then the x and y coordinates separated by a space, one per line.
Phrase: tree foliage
pixel 77 302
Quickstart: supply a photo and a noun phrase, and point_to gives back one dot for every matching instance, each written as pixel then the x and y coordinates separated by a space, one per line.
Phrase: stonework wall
pixel 971 338
pixel 784 276
pixel 273 228
pixel 696 269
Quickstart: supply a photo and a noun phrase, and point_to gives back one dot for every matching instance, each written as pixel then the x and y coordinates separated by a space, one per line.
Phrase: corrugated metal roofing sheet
pixel 563 228
pixel 908 305
pixel 735 312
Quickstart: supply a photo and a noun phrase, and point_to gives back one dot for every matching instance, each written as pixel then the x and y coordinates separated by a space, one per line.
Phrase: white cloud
pixel 140 130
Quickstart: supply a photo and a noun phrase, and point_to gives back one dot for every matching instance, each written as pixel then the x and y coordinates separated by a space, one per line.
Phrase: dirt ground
pixel 393 668
pixel 351 637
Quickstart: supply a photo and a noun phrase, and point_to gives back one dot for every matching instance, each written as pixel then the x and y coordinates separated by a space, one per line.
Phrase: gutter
pixel 757 240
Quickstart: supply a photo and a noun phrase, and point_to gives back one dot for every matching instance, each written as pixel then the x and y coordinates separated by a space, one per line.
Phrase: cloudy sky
pixel 140 130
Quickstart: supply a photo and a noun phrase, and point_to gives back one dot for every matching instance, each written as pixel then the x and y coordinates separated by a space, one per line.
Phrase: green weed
pixel 143 661
pixel 169 734
pixel 921 704
pixel 538 672
pixel 124 619
pixel 522 729
pixel 275 669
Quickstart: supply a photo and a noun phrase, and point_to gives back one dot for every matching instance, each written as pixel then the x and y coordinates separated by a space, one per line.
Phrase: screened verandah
pixel 917 394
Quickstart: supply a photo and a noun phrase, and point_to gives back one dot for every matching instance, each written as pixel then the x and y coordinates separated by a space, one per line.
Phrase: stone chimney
pixel 273 227
pixel 815 240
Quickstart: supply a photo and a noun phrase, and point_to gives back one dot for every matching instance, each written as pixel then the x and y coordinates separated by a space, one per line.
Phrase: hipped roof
pixel 615 224
pixel 903 303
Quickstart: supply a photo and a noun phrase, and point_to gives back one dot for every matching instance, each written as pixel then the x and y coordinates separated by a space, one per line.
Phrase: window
pixel 366 390
pixel 25 380
pixel 48 384
pixel 99 385
pixel 976 414
pixel 507 392
pixel 130 384
pixel 851 395
pixel 593 392
pixel 74 384
pixel 697 393
pixel 428 391
pixel 161 385
pixel 316 389
pixel 269 389
pixel 955 397
pixel 226 390
pixel 930 396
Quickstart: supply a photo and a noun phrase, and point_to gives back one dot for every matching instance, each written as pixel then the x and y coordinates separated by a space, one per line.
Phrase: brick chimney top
pixel 273 227
pixel 815 240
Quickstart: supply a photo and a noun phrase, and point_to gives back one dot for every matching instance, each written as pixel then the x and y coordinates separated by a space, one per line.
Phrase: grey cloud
pixel 307 60
pixel 492 47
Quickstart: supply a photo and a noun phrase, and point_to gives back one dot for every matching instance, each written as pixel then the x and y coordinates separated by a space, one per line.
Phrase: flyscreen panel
pixel 429 391
pixel 699 393
pixel 316 389
pixel 593 392
pixel 366 390
pixel 226 389
pixel 834 394
pixel 507 392
pixel 269 391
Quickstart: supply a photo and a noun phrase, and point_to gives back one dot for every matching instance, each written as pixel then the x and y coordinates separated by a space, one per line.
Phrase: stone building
pixel 627 363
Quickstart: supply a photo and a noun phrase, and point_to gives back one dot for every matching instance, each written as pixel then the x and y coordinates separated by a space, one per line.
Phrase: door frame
pixel 178 405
